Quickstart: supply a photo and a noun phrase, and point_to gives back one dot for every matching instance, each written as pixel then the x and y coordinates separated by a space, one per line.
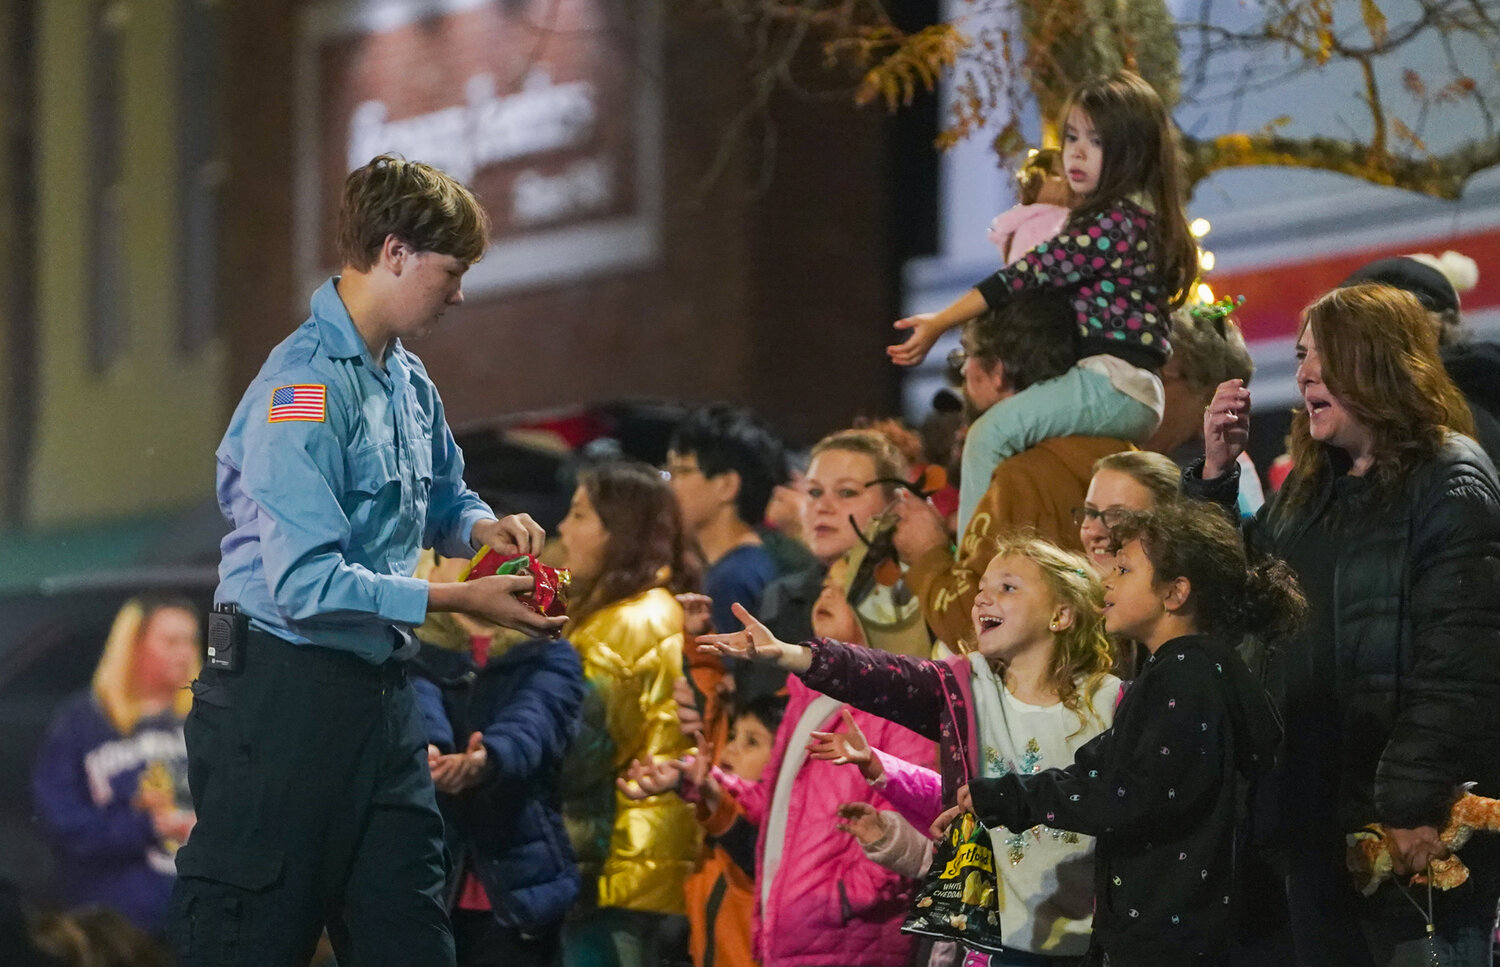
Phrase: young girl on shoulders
pixel 1159 790
pixel 1125 258
pixel 1035 688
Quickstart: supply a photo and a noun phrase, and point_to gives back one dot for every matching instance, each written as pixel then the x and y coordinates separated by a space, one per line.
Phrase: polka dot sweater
pixel 1159 790
pixel 1108 264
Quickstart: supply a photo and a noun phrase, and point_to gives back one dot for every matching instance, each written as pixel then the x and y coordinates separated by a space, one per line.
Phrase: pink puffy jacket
pixel 829 904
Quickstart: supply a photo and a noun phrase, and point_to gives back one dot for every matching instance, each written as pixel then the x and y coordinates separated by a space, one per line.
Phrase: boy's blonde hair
pixel 114 676
pixel 417 203
pixel 1082 653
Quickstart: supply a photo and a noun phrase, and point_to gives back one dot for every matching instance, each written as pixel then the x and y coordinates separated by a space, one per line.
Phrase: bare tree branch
pixel 1013 54
pixel 1440 176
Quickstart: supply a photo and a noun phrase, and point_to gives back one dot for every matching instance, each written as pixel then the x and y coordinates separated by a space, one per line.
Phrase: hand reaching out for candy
pixel 458 771
pixel 862 821
pixel 697 614
pixel 847 748
pixel 652 777
pixel 689 777
pixel 756 643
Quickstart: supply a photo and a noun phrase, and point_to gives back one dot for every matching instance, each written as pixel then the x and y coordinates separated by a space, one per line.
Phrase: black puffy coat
pixel 1413 605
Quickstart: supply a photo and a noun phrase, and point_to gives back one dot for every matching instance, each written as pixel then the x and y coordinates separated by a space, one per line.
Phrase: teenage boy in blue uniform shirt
pixel 308 765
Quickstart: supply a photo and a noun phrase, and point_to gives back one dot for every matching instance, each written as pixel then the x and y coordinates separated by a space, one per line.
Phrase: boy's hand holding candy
pixel 756 643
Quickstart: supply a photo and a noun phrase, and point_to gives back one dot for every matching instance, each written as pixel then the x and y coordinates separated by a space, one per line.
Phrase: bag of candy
pixel 549 593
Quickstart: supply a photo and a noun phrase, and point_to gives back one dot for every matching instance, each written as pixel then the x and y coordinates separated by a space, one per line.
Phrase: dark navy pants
pixel 308 771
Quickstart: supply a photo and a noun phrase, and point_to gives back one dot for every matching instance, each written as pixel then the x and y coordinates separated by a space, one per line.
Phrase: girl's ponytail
pixel 1273 604
pixel 1229 598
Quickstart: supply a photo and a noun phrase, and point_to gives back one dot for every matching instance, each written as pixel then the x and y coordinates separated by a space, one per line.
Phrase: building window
pixel 200 33
pixel 108 307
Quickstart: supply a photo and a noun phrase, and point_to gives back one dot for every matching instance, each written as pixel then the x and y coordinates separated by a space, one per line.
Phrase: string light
pixel 1199 227
pixel 1205 294
pixel 1206 260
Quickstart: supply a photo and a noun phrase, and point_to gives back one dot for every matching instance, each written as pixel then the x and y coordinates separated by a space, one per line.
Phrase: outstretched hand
pixel 924 332
pixel 652 777
pixel 756 643
pixel 846 748
pixel 697 614
pixel 455 772
pixel 860 820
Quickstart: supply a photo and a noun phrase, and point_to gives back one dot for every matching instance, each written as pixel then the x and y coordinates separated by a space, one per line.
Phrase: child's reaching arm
pixel 905 690
pixel 1123 785
pixel 1106 247
pixel 926 327
pixel 915 791
pixel 887 838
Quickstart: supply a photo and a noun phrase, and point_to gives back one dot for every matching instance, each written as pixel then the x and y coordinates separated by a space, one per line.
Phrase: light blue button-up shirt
pixel 328 516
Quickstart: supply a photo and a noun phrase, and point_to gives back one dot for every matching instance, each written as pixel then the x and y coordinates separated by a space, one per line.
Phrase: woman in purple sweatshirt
pixel 110 781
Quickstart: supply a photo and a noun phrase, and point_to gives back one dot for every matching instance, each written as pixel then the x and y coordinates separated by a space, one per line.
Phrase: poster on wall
pixel 548 109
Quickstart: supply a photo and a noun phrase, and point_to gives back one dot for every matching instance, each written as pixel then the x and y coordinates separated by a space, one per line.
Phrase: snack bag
pixel 959 899
pixel 549 594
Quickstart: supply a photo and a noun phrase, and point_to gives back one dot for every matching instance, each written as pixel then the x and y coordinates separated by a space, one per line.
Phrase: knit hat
pixel 1435 282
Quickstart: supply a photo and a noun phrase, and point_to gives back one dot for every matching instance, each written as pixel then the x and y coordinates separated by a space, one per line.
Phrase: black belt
pixel 345 664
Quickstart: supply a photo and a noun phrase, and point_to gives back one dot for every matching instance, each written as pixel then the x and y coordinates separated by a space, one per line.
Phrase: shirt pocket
pixel 372 502
pixel 421 471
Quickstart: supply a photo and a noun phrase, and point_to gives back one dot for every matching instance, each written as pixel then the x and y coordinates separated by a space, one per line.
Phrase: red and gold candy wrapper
pixel 549 594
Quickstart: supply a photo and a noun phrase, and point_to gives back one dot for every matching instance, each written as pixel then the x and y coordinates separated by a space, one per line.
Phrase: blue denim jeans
pixel 1081 402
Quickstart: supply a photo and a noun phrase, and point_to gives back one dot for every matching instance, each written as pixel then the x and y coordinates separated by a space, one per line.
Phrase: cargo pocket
pixel 225 904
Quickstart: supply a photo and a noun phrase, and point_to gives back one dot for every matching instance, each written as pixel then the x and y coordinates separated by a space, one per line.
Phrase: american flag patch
pixel 303 401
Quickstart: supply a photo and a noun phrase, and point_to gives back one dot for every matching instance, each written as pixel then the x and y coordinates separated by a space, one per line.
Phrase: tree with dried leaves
pixel 1007 58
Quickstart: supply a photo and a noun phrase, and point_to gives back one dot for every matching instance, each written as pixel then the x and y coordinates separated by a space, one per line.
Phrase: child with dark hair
pixel 724 464
pixel 720 892
pixel 1160 789
pixel 622 538
pixel 500 712
pixel 1125 260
